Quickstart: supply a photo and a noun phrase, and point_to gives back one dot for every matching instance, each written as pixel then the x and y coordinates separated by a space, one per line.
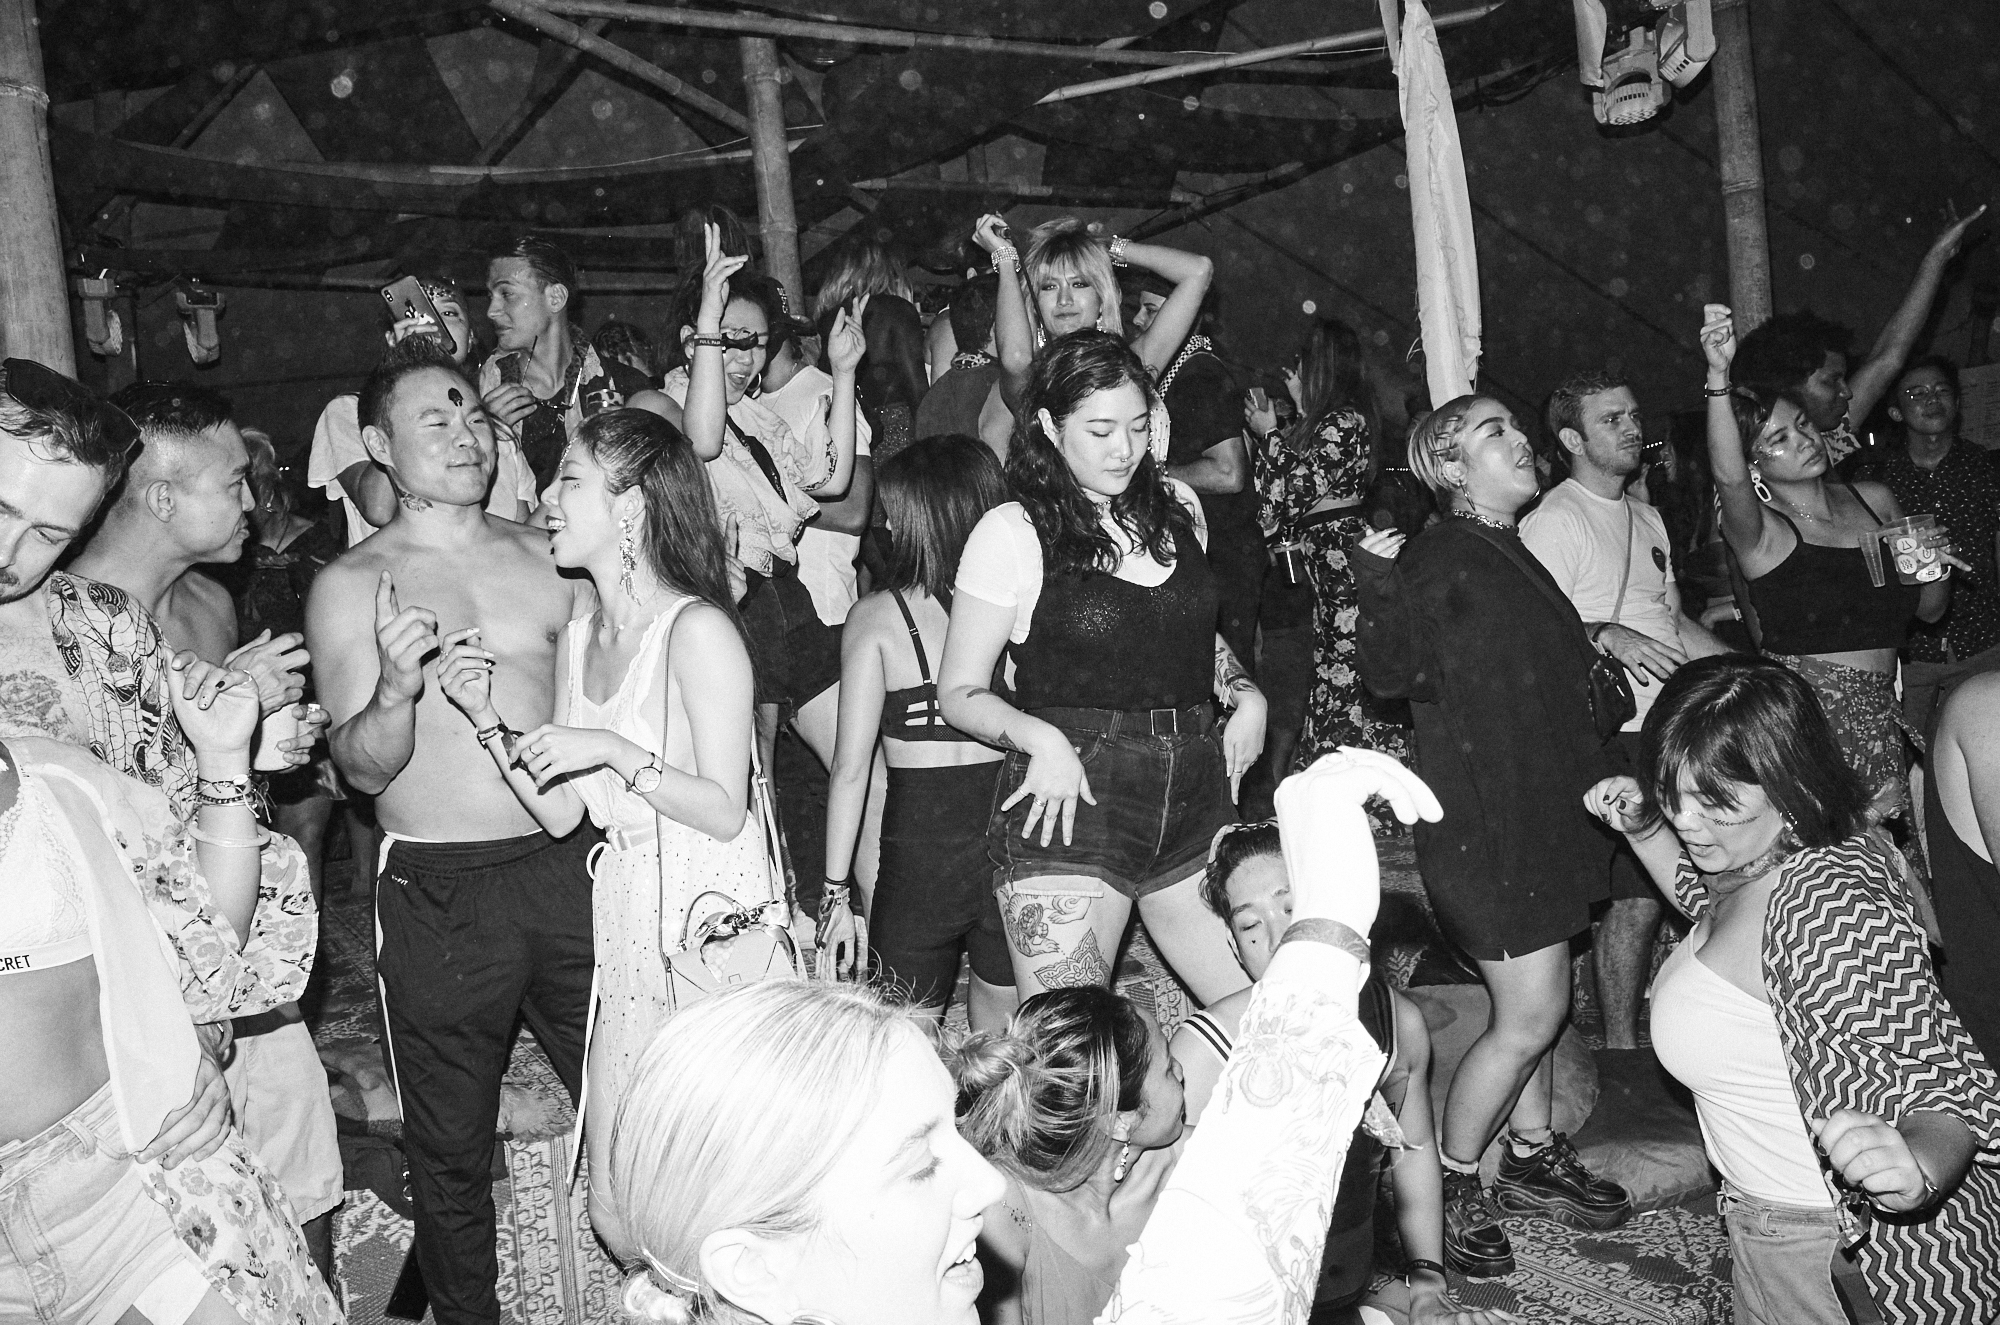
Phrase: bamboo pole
pixel 773 165
pixel 1742 167
pixel 34 306
pixel 619 58
pixel 851 35
pixel 1370 38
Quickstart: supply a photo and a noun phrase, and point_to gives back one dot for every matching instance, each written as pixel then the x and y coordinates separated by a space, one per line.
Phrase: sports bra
pixel 43 920
pixel 913 713
pixel 1821 600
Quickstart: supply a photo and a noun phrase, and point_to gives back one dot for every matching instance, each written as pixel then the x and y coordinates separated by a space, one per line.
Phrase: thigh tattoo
pixel 1081 969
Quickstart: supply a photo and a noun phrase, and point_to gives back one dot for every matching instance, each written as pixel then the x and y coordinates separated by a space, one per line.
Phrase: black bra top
pixel 914 714
pixel 1821 600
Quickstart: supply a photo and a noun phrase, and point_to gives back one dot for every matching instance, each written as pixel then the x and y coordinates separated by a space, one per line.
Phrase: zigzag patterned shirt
pixel 1865 1027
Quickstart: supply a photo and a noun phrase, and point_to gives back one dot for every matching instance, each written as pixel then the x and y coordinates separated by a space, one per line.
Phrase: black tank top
pixel 1821 600
pixel 1966 892
pixel 1099 642
pixel 913 714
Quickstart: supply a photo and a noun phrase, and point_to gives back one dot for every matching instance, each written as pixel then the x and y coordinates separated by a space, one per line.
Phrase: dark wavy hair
pixel 1791 347
pixel 1738 720
pixel 547 260
pixel 1069 370
pixel 1753 405
pixel 1036 1099
pixel 683 530
pixel 933 493
pixel 1332 379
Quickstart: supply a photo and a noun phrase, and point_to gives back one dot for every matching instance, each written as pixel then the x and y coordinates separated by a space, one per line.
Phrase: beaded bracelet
pixel 257 843
pixel 1714 391
pixel 230 786
pixel 1330 932
pixel 1006 253
pixel 1117 247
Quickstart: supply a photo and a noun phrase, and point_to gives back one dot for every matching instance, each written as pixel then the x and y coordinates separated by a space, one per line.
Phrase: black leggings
pixel 934 894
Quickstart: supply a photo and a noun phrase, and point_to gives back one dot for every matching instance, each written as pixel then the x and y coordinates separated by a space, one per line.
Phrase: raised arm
pixel 1743 514
pixel 845 346
pixel 1013 334
pixel 707 395
pixel 1190 273
pixel 1872 380
pixel 368 669
pixel 1618 802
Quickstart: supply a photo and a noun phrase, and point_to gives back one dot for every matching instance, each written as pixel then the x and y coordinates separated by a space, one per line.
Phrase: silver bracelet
pixel 1117 247
pixel 257 843
pixel 1005 253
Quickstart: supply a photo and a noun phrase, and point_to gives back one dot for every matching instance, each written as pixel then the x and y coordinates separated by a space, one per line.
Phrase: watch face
pixel 647 779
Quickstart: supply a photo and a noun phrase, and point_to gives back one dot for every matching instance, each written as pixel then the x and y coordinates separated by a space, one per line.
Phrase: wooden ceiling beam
pixel 623 60
pixel 555 65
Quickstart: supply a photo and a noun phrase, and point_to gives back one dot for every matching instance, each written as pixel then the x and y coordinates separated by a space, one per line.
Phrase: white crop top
pixel 43 921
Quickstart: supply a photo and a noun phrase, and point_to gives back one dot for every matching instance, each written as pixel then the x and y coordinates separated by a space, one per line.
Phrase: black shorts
pixel 797 656
pixel 1160 800
pixel 934 894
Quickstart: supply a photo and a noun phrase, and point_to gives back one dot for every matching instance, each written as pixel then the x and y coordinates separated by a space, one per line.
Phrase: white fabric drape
pixel 1441 209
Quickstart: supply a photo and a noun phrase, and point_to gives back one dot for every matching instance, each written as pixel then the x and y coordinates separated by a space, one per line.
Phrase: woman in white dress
pixel 633 509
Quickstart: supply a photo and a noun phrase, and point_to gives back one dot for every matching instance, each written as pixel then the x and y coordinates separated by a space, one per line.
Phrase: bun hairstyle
pixel 683 529
pixel 1068 371
pixel 736 1114
pixel 1037 1100
pixel 1434 444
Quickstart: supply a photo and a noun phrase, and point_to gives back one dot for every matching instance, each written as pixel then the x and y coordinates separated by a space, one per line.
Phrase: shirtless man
pixel 185 503
pixel 482 916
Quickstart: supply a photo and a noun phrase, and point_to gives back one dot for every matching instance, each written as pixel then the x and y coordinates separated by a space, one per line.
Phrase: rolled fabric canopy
pixel 1441 209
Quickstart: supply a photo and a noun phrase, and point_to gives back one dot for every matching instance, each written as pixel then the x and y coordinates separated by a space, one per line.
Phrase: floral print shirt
pixel 1333 464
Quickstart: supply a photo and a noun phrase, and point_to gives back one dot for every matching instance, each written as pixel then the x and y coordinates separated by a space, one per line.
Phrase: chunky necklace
pixel 1195 345
pixel 971 359
pixel 1726 882
pixel 1486 520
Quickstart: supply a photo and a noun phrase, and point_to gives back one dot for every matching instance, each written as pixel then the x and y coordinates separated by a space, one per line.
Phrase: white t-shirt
pixel 1580 537
pixel 337 445
pixel 826 556
pixel 1002 562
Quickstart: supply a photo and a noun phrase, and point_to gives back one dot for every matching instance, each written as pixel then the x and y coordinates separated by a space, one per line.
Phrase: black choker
pixel 1486 520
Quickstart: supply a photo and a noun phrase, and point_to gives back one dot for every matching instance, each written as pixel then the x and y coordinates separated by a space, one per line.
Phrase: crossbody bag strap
pixel 1522 560
pixel 1625 572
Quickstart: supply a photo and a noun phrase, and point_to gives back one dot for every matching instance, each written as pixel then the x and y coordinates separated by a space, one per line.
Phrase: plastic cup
pixel 282 725
pixel 1914 546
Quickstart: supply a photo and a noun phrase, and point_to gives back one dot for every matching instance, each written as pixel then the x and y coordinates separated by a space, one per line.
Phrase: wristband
pixel 714 338
pixel 1714 391
pixel 485 734
pixel 837 890
pixel 1117 247
pixel 207 801
pixel 230 786
pixel 256 843
pixel 1417 1263
pixel 1330 932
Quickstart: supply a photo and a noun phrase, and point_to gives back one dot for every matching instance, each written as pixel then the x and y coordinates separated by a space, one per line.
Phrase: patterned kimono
pixel 1865 1027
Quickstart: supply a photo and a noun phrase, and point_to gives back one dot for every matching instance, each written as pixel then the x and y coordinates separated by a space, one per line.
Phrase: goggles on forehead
pixel 47 391
pixel 735 340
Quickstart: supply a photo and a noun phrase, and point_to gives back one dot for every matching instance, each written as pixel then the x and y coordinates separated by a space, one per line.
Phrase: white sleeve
pixel 336 445
pixel 1002 565
pixel 1560 542
pixel 1193 503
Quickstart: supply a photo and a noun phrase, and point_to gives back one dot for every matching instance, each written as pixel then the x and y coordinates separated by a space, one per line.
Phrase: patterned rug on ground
pixel 1666 1267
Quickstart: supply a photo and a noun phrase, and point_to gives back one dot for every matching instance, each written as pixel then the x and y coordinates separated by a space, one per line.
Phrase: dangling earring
pixel 1100 321
pixel 1124 1163
pixel 628 557
pixel 1757 484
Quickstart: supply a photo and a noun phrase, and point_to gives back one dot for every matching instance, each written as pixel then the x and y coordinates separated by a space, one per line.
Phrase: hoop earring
pixel 1757 484
pixel 1124 1164
pixel 628 557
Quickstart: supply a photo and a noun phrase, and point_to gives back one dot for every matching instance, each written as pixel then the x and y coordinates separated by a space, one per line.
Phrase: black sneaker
pixel 1552 1182
pixel 1474 1243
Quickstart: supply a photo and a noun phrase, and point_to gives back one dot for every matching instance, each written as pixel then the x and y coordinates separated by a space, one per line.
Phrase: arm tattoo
pixel 999 740
pixel 1230 678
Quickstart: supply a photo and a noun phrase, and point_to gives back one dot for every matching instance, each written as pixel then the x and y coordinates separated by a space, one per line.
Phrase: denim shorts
pixel 81 1239
pixel 1160 799
pixel 1787 1261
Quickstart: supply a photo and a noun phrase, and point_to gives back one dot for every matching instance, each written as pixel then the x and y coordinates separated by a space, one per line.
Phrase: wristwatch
pixel 647 779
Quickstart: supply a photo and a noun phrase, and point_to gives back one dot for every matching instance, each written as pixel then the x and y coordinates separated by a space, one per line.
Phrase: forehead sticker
pixel 452 393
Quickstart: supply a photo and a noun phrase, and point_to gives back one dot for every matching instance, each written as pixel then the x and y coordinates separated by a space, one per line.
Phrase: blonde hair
pixel 860 266
pixel 735 1115
pixel 267 481
pixel 1067 248
pixel 1434 444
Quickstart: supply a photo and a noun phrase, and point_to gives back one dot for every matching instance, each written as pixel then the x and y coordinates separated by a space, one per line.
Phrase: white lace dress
pixel 646 876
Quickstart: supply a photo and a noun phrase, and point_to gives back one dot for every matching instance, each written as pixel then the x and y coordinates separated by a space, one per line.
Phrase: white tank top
pixel 43 919
pixel 1723 1045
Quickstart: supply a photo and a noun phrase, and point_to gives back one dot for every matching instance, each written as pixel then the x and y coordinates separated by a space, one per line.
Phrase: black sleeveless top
pixel 1966 892
pixel 1099 642
pixel 1821 600
pixel 913 713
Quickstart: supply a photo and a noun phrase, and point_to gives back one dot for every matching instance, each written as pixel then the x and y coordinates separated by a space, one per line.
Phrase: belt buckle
pixel 1173 722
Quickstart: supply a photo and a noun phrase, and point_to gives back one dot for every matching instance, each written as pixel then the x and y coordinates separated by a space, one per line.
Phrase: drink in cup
pixel 282 725
pixel 1915 547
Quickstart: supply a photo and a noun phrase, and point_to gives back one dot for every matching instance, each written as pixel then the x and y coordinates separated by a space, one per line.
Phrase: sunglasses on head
pixel 736 340
pixel 47 391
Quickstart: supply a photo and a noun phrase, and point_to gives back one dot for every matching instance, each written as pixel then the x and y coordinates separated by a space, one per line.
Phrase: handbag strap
pixel 1625 571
